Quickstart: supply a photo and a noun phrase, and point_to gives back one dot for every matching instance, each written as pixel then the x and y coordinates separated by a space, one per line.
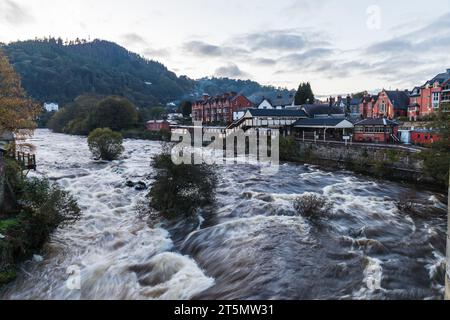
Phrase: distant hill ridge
pixel 52 71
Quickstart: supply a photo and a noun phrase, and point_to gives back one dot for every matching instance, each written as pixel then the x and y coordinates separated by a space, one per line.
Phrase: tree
pixel 181 189
pixel 17 112
pixel 115 113
pixel 304 94
pixel 105 144
pixel 156 113
pixel 437 158
pixel 309 94
pixel 186 108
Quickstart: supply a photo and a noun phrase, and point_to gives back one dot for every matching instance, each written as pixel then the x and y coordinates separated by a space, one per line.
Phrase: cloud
pixel 133 39
pixel 155 52
pixel 307 57
pixel 287 40
pixel 231 70
pixel 14 13
pixel 264 62
pixel 203 49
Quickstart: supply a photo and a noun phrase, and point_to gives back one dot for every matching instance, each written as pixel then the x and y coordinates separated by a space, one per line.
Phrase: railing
pixel 26 160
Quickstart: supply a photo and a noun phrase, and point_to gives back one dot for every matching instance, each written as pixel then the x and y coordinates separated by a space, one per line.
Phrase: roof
pixel 277 113
pixel 376 122
pixel 368 98
pixel 275 98
pixel 280 101
pixel 323 123
pixel 158 121
pixel 440 78
pixel 321 109
pixel 400 99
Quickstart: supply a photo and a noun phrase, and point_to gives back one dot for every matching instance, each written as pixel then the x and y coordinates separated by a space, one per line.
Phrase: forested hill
pixel 53 71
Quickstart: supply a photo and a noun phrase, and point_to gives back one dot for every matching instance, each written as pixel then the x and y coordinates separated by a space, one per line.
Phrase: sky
pixel 340 46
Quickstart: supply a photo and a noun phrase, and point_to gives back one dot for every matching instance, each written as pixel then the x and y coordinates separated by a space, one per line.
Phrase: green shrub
pixel 288 149
pixel 105 144
pixel 181 189
pixel 43 208
pixel 312 206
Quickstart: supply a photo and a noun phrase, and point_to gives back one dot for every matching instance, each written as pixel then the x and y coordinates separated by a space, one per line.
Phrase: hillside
pixel 52 71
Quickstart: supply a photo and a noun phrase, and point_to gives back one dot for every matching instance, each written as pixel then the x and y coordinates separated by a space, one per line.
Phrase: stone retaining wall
pixel 395 163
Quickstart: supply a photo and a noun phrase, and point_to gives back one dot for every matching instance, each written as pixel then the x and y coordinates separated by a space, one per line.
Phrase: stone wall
pixel 394 163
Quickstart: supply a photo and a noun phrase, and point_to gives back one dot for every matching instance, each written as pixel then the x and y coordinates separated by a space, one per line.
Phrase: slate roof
pixel 275 98
pixel 324 122
pixel 321 109
pixel 440 78
pixel 376 122
pixel 277 113
pixel 400 99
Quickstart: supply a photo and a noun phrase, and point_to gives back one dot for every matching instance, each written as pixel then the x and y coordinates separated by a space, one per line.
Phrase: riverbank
pixel 394 164
pixel 250 245
pixel 30 210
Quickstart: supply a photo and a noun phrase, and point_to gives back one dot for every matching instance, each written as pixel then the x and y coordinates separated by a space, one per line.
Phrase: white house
pixel 49 107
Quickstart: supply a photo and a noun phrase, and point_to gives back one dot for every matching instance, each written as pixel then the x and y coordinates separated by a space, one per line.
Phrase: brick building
pixel 367 105
pixel 391 104
pixel 219 108
pixel 378 130
pixel 158 125
pixel 430 97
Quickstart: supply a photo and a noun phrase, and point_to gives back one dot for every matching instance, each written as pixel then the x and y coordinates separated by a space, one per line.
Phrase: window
pixel 383 107
pixel 435 100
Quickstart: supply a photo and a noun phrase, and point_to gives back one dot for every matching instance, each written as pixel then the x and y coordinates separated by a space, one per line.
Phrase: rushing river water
pixel 250 245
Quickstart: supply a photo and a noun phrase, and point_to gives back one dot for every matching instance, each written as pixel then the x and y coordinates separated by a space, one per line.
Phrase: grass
pixel 8 223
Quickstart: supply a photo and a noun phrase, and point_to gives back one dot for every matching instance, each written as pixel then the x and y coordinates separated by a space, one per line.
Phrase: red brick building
pixel 424 137
pixel 378 130
pixel 158 125
pixel 367 105
pixel 391 104
pixel 219 108
pixel 430 97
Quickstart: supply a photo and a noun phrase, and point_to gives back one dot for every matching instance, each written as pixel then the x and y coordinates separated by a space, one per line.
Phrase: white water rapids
pixel 251 245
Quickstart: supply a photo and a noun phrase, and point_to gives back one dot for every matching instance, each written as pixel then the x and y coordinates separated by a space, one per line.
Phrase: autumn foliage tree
pixel 17 111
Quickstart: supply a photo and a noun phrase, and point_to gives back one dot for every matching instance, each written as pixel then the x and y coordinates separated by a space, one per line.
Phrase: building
pixel 424 136
pixel 415 101
pixel 219 108
pixel 391 104
pixel 378 130
pixel 51 107
pixel 174 116
pixel 430 97
pixel 349 105
pixel 323 110
pixel 366 105
pixel 324 129
pixel 158 125
pixel 281 101
pixel 268 118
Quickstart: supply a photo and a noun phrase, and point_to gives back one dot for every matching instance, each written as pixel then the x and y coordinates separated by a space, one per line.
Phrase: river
pixel 250 245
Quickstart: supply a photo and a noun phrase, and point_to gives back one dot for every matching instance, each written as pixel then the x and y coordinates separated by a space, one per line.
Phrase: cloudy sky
pixel 339 46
